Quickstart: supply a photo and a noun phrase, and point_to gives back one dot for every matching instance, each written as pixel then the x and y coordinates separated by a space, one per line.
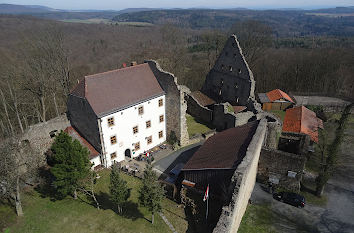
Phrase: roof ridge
pixel 111 71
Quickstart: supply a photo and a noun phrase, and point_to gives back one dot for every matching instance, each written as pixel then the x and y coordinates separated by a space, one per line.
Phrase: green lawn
pixel 279 113
pixel 68 215
pixel 257 218
pixel 194 127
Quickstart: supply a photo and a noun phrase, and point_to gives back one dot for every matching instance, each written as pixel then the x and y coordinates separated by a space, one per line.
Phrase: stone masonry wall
pixel 278 163
pixel 230 80
pixel 176 104
pixel 38 135
pixel 242 185
pixel 201 113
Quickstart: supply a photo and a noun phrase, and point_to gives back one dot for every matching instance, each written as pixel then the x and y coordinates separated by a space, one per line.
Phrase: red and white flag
pixel 206 195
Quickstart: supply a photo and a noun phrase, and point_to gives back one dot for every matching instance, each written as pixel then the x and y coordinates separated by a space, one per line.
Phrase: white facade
pixel 95 161
pixel 122 129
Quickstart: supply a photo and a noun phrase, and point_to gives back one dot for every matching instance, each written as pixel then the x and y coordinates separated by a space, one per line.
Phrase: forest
pixel 41 60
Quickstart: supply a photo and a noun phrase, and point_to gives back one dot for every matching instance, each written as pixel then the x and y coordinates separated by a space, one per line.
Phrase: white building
pixel 120 112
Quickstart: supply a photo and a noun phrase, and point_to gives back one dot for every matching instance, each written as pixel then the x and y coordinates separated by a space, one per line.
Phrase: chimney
pixel 124 65
pixel 133 63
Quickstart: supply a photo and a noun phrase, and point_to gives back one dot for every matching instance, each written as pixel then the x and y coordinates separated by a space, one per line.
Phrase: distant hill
pixel 23 9
pixel 283 22
pixel 337 10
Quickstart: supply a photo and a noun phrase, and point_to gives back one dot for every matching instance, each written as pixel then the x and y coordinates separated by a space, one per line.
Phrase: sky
pixel 119 4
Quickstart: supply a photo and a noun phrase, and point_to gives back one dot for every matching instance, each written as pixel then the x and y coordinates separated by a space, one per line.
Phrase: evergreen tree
pixel 151 192
pixel 118 188
pixel 71 164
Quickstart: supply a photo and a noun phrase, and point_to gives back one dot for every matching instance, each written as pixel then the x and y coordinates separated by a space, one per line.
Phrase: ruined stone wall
pixel 38 134
pixel 84 120
pixel 222 119
pixel 176 103
pixel 296 143
pixel 199 112
pixel 277 164
pixel 242 186
pixel 230 80
pixel 273 135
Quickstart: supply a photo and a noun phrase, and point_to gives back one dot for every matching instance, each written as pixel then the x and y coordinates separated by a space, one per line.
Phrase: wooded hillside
pixel 41 60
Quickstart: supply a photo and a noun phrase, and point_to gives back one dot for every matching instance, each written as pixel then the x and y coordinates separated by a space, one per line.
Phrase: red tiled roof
pixel 238 109
pixel 75 135
pixel 224 150
pixel 302 120
pixel 278 94
pixel 116 89
pixel 202 99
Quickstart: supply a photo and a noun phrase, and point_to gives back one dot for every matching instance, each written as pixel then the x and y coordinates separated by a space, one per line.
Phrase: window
pixel 160 102
pixel 230 68
pixel 161 118
pixel 141 110
pixel 110 121
pixel 113 140
pixel 114 155
pixel 149 140
pixel 161 134
pixel 135 129
pixel 148 124
pixel 137 146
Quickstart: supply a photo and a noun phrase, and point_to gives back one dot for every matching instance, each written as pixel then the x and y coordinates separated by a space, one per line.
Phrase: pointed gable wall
pixel 230 80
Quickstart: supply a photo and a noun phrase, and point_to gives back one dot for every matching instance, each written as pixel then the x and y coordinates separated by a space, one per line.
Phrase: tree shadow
pixel 45 188
pixel 130 209
pixel 305 188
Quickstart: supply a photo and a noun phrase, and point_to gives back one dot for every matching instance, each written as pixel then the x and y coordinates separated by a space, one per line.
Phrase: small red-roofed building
pixel 275 100
pixel 302 120
pixel 94 155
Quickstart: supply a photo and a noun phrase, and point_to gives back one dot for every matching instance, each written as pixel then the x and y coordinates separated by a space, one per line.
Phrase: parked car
pixel 293 199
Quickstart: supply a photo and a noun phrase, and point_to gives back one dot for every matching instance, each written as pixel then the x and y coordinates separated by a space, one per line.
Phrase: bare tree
pixel 19 161
pixel 254 38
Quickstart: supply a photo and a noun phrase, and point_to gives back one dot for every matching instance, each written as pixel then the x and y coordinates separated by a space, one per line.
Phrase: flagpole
pixel 206 215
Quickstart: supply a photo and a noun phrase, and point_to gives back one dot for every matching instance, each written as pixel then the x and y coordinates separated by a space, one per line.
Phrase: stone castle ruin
pixel 227 97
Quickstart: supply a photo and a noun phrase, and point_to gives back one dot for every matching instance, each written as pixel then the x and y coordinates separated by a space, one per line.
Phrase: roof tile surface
pixel 278 94
pixel 202 99
pixel 75 135
pixel 225 150
pixel 117 89
pixel 302 120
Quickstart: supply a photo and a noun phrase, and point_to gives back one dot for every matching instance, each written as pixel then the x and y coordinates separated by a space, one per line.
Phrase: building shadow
pixel 182 158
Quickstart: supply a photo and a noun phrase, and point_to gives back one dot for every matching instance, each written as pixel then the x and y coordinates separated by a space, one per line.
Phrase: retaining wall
pixel 242 184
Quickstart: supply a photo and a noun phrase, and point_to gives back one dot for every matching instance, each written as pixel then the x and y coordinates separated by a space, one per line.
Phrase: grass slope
pixel 68 215
pixel 194 127
pixel 257 218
